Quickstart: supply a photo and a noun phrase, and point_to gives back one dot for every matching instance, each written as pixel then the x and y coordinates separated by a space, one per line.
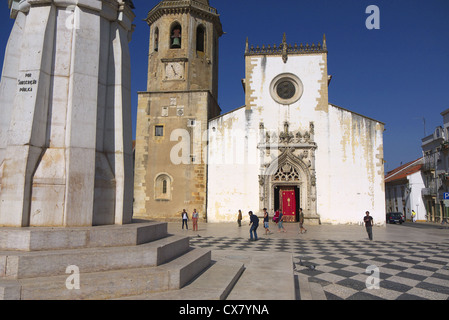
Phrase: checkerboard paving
pixel 343 267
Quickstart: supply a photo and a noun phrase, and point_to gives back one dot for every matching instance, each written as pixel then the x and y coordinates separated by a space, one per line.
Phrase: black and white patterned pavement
pixel 342 267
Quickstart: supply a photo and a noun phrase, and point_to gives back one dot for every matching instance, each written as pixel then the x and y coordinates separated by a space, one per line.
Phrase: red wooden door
pixel 289 205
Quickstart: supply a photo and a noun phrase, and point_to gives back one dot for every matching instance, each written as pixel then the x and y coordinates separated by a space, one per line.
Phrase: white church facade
pixel 286 148
pixel 289 148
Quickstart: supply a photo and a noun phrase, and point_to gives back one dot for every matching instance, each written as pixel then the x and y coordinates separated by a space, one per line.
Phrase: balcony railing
pixel 430 191
pixel 429 165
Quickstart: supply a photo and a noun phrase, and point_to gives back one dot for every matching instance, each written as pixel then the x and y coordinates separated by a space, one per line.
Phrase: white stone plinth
pixel 65 137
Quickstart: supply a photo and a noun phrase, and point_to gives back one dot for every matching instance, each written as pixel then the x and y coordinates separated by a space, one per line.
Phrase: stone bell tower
pixel 65 105
pixel 173 114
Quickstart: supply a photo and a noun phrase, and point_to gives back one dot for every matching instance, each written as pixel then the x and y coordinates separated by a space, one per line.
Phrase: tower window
pixel 159 131
pixel 156 40
pixel 175 36
pixel 162 187
pixel 191 123
pixel 200 38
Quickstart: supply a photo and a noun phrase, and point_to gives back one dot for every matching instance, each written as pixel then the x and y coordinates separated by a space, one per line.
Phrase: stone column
pixel 65 142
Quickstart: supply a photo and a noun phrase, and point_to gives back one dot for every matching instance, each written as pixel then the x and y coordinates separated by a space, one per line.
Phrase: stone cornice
pixel 185 6
pixel 285 49
pixel 120 10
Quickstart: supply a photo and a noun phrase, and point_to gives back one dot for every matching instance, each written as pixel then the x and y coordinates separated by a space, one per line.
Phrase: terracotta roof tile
pixel 403 171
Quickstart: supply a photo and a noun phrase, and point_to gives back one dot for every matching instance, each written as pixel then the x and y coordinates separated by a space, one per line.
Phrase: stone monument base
pixel 103 262
pixel 312 220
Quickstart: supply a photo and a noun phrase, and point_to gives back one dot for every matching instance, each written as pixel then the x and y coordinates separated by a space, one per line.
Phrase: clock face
pixel 174 71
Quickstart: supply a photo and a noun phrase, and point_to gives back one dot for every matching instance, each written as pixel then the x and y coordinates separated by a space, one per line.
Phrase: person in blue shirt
pixel 254 224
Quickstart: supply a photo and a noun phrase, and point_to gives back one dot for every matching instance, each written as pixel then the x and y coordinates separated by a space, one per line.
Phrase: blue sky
pixel 398 74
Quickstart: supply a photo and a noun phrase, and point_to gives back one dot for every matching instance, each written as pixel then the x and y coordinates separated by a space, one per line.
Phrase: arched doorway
pixel 287 200
pixel 287 185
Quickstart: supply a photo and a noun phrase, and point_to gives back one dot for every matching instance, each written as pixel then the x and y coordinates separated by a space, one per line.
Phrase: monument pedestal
pixel 101 262
pixel 66 180
pixel 66 129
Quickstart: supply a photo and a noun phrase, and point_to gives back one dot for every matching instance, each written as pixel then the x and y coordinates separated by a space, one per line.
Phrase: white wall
pixel 416 184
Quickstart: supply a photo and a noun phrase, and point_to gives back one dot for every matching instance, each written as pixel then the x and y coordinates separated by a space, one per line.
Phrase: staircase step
pixel 20 265
pixel 47 238
pixel 217 282
pixel 269 274
pixel 214 284
pixel 317 291
pixel 304 288
pixel 186 267
pixel 111 284
pixel 310 290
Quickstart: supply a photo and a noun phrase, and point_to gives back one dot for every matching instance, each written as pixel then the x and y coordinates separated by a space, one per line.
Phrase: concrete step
pixel 267 276
pixel 215 283
pixel 47 238
pixel 21 265
pixel 110 284
pixel 310 290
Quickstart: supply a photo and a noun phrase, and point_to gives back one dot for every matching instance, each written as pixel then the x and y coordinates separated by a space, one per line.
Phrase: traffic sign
pixel 446 196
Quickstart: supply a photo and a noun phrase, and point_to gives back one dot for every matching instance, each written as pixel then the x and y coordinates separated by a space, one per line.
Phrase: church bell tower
pixel 173 114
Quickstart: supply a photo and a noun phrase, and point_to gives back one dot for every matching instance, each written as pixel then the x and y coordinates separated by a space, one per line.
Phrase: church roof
pixel 356 113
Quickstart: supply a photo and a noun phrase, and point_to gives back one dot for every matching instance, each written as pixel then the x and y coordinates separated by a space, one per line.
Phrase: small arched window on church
pixel 162 187
pixel 175 36
pixel 200 38
pixel 156 39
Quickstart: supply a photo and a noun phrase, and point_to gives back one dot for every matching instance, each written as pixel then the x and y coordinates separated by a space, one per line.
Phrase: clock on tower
pixel 174 71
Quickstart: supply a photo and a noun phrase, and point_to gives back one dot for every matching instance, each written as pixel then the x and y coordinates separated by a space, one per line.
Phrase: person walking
pixel 239 218
pixel 280 222
pixel 368 220
pixel 413 216
pixel 276 217
pixel 266 219
pixel 254 224
pixel 185 218
pixel 195 216
pixel 301 221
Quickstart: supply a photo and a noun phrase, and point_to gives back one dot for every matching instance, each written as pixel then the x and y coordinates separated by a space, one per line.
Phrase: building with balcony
pixel 435 148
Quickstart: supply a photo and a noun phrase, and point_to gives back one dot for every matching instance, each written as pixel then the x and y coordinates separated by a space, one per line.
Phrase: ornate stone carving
pixel 289 161
pixel 286 137
pixel 287 174
pixel 284 49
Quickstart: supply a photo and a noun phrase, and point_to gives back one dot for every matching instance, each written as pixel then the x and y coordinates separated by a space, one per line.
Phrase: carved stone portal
pixel 288 161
